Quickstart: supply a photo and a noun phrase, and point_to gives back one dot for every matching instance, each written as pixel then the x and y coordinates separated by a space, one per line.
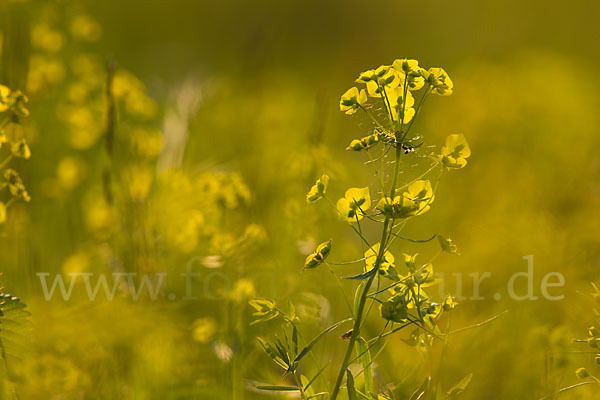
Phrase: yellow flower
pixel 387 263
pixel 400 207
pixel 15 185
pixel 318 190
pixel 409 70
pixel 352 100
pixel 421 193
pixel 385 78
pixel 4 98
pixel 455 152
pixel 399 107
pixel 406 66
pixel 20 149
pixel 364 143
pixel 353 205
pixel 318 257
pixel 416 200
pixel 439 81
pixel 204 329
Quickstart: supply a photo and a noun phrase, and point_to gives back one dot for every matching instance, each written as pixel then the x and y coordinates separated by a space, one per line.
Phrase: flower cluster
pixel 13 144
pixel 403 301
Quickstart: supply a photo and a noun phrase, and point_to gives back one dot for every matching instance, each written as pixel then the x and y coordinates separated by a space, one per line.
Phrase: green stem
pixel 300 387
pixel 365 292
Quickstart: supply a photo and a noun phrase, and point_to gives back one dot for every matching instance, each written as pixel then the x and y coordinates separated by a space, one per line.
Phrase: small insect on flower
pixel 407 148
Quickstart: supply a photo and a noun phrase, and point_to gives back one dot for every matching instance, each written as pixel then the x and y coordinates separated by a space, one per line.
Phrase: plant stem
pixel 300 387
pixel 365 292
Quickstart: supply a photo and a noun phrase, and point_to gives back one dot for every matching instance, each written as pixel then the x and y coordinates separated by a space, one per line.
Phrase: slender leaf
pixel 270 350
pixel 314 378
pixel 364 355
pixel 350 386
pixel 282 351
pixel 357 296
pixel 362 276
pixel 294 342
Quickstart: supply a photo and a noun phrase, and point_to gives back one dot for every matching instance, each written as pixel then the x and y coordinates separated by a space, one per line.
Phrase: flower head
pixel 352 100
pixel 455 152
pixel 353 205
pixel 318 190
pixel 439 81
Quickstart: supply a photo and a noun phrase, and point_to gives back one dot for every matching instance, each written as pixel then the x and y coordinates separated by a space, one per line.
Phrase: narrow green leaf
pixel 294 342
pixel 362 351
pixel 306 386
pixel 271 352
pixel 350 386
pixel 282 351
pixel 316 339
pixel 307 390
pixel 362 276
pixel 357 296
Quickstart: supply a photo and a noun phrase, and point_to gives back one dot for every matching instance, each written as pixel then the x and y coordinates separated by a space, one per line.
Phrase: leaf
pixel 270 350
pixel 363 354
pixel 316 339
pixel 460 386
pixel 307 385
pixel 294 342
pixel 282 351
pixel 305 382
pixel 15 329
pixel 278 388
pixel 357 296
pixel 362 276
pixel 350 385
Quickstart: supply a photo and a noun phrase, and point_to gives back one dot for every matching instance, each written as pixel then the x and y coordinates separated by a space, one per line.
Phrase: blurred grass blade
pixel 420 392
pixel 460 386
pixel 362 351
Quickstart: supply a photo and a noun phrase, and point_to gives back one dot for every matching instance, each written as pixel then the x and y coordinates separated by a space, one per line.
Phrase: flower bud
pixel 582 373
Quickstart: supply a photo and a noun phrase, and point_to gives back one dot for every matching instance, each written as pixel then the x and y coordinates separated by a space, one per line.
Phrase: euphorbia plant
pixel 395 283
